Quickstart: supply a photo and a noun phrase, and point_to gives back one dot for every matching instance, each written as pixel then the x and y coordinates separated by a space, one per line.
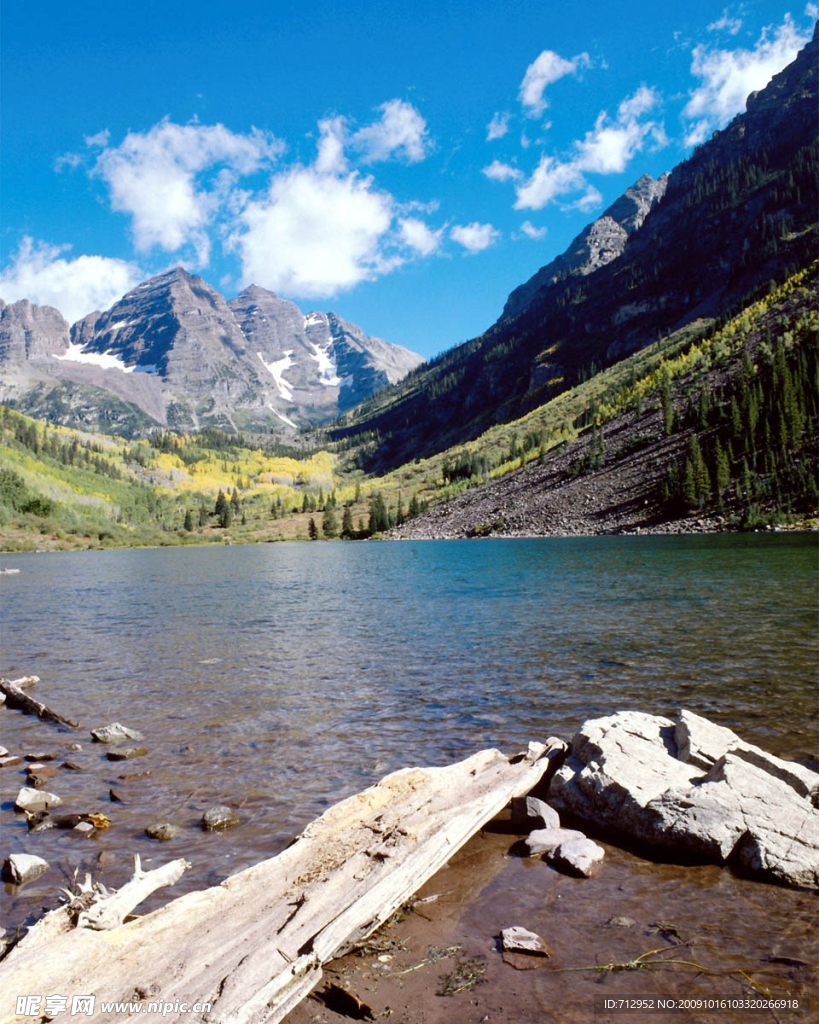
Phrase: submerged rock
pixel 10 761
pixel 116 732
pixel 125 753
pixel 696 789
pixel 218 818
pixel 20 868
pixel 163 831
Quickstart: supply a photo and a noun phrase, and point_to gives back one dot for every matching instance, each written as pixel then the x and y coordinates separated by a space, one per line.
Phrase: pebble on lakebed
pixel 217 818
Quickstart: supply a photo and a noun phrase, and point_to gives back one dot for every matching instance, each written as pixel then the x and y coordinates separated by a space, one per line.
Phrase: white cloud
pixel 153 176
pixel 550 178
pixel 812 11
pixel 314 234
pixel 587 202
pixel 419 236
pixel 497 127
pixel 728 76
pixel 100 140
pixel 75 286
pixel 611 145
pixel 72 160
pixel 474 237
pixel 548 67
pixel 726 24
pixel 607 149
pixel 498 171
pixel 331 159
pixel 401 133
pixel 529 229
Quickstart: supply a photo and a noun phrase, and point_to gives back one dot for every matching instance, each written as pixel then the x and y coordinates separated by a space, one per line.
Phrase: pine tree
pixel 203 516
pixel 189 521
pixel 312 529
pixel 329 523
pixel 347 527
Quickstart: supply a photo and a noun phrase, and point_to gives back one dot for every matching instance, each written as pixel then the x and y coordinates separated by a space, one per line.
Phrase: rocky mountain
pixel 739 213
pixel 597 244
pixel 174 352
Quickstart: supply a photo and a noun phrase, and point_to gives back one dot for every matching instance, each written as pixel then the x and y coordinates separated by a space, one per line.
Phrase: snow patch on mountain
pixel 276 369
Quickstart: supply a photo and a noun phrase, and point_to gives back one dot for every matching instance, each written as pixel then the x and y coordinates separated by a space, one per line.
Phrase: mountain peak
pixel 597 244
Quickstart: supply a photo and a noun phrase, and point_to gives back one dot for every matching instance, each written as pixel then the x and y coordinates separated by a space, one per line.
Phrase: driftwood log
pixel 16 697
pixel 253 946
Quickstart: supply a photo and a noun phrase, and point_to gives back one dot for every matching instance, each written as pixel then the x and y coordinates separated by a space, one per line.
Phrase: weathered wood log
pixel 16 698
pixel 253 946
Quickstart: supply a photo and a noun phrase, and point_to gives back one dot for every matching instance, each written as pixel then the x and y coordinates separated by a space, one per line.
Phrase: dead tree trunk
pixel 253 946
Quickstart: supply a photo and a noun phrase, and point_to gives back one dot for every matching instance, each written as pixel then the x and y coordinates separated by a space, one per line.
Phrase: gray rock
pixel 20 868
pixel 519 940
pixel 218 818
pixel 75 746
pixel 29 799
pixel 10 761
pixel 545 839
pixel 40 756
pixel 4 750
pixel 163 831
pixel 749 807
pixel 620 922
pixel 116 733
pixel 84 828
pixel 529 813
pixel 597 244
pixel 125 753
pixel 577 857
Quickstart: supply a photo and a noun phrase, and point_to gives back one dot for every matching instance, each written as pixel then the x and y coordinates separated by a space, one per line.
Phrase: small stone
pixel 75 746
pixel 41 755
pixel 4 752
pixel 70 766
pixel 577 857
pixel 132 776
pixel 529 813
pixel 220 817
pixel 620 922
pixel 126 753
pixel 519 940
pixel 39 778
pixel 105 858
pixel 20 868
pixel 10 761
pixel 545 839
pixel 30 799
pixel 114 797
pixel 85 828
pixel 115 733
pixel 163 831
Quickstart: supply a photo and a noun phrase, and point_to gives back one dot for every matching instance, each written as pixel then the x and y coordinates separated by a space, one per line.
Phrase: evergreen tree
pixel 347 527
pixel 203 516
pixel 189 521
pixel 329 523
pixel 312 529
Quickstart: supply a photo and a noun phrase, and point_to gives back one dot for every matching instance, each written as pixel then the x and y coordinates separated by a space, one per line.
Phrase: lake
pixel 278 678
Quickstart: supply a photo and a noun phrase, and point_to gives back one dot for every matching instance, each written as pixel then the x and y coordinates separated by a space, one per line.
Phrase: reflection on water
pixel 280 677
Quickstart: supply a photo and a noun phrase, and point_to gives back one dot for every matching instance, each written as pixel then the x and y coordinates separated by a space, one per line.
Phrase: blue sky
pixel 405 165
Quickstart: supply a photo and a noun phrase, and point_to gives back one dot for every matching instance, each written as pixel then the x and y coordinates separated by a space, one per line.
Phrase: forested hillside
pixel 742 211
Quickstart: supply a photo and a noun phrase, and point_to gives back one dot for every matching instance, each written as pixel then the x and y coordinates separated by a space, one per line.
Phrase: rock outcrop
pixel 597 244
pixel 696 789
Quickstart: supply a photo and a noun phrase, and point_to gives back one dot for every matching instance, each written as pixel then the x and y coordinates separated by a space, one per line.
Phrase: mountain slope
pixel 173 352
pixel 741 211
